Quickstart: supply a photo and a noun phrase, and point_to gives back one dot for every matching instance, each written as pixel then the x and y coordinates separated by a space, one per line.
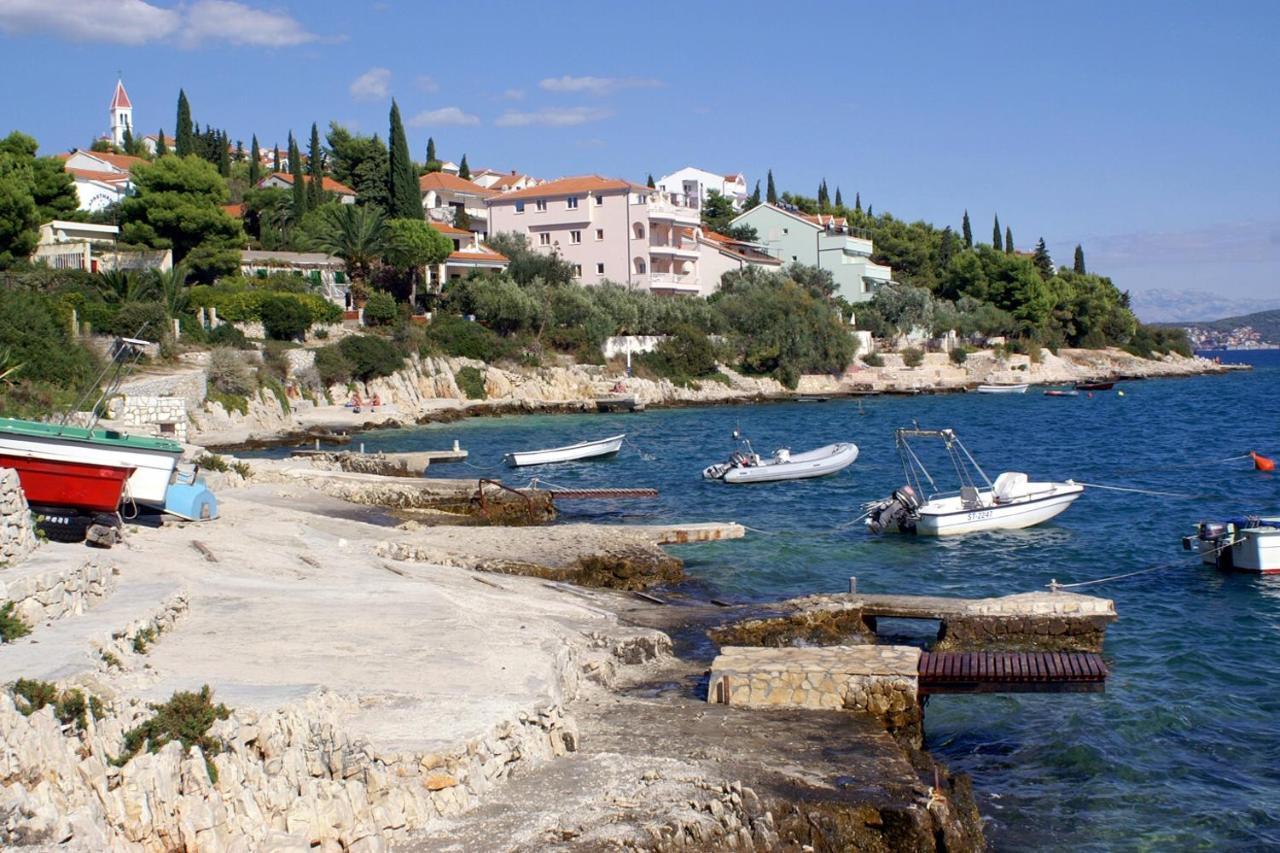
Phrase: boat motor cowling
pixel 898 511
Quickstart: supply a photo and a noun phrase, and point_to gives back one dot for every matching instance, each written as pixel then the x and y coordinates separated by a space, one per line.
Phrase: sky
pixel 1149 132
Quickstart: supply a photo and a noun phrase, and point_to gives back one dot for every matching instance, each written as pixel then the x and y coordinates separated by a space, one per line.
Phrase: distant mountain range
pixel 1194 306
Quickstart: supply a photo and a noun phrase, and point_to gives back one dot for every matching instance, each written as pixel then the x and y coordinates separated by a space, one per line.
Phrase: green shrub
pixel 471 381
pixel 461 338
pixel 35 336
pixel 229 373
pixel 227 335
pixel 230 402
pixel 11 627
pixel 370 356
pixel 873 359
pixel 212 462
pixel 959 355
pixel 186 717
pixel 143 639
pixel 146 320
pixel 380 309
pixel 284 317
pixel 685 355
pixel 334 367
pixel 913 356
pixel 69 706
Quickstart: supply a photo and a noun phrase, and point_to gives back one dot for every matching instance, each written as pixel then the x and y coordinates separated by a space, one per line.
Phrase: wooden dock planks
pixel 1000 672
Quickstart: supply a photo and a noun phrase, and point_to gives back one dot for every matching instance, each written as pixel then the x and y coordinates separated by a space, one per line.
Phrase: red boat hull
pixel 69 484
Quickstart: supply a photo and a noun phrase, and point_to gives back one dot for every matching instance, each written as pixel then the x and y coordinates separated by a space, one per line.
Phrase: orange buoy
pixel 1262 463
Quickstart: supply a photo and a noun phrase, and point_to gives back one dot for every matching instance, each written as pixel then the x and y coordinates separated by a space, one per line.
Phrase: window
pixel 572 202
pixel 544 239
pixel 540 204
pixel 519 207
pixel 599 200
pixel 577 270
pixel 599 233
pixel 599 269
pixel 786 231
pixel 575 237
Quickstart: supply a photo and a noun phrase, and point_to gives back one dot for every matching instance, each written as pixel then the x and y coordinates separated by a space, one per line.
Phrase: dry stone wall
pixel 44 596
pixel 17 533
pixel 150 415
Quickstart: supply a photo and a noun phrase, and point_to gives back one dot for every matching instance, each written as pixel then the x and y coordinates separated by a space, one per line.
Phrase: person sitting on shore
pixel 376 401
pixel 356 403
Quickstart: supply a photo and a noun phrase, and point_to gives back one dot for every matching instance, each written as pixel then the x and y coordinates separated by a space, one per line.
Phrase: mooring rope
pixel 646 456
pixel 1135 491
pixel 1054 586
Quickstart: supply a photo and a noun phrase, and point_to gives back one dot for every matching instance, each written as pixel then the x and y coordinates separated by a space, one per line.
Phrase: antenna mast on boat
pixel 121 349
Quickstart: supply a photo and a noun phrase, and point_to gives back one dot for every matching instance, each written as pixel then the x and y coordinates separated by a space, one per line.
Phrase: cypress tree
pixel 431 149
pixel 402 182
pixel 754 201
pixel 183 141
pixel 239 156
pixel 298 182
pixel 224 155
pixel 315 170
pixel 839 201
pixel 997 239
pixel 824 200
pixel 162 147
pixel 255 162
pixel 857 201
pixel 649 183
pixel 275 166
pixel 771 192
pixel 1078 266
pixel 967 231
pixel 1044 264
pixel 947 247
pixel 1008 240
pixel 126 141
pixel 464 171
pixel 870 212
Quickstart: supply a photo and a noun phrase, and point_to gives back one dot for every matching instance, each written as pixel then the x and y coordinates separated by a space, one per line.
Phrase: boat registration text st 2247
pixel 982 515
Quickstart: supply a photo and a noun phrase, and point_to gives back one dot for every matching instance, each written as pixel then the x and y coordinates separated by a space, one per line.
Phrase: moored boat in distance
pixel 1242 543
pixel 1095 386
pixel 1062 392
pixel 1012 502
pixel 1011 388
pixel 748 467
pixel 569 453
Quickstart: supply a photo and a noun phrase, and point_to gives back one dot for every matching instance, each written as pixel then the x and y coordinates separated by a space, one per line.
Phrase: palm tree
pixel 173 289
pixel 121 286
pixel 356 233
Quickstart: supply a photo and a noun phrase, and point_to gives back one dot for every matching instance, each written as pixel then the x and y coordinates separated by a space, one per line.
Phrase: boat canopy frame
pixel 961 459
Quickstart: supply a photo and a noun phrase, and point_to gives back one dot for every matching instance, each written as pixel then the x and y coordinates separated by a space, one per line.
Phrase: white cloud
pixel 552 117
pixel 372 85
pixel 597 85
pixel 426 83
pixel 443 117
pixel 136 22
pixel 513 94
pixel 114 21
pixel 227 20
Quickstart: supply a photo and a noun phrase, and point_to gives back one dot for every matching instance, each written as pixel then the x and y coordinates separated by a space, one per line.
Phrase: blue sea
pixel 1181 752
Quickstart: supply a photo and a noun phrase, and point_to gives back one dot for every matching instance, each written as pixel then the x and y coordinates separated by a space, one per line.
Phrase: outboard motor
pixel 1213 541
pixel 896 512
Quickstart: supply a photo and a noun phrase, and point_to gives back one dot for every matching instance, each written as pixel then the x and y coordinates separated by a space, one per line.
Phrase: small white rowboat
pixel 570 453
pixel 784 465
pixel 1020 388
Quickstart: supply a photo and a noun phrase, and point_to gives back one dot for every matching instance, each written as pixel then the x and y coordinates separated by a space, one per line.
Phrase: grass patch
pixel 719 377
pixel 275 386
pixel 111 660
pixel 11 627
pixel 471 381
pixel 230 402
pixel 186 717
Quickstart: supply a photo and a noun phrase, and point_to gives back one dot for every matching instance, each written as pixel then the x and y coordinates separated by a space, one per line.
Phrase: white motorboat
pixel 1243 543
pixel 748 467
pixel 569 453
pixel 1010 503
pixel 1015 388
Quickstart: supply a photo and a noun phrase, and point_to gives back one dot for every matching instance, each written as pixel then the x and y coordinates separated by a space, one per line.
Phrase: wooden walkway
pixel 1011 672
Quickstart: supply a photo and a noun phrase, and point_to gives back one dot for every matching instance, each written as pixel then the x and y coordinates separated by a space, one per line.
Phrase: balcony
pixel 675 207
pixel 661 282
pixel 673 248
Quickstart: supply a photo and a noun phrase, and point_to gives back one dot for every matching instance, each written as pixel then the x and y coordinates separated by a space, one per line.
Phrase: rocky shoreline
pixel 427 391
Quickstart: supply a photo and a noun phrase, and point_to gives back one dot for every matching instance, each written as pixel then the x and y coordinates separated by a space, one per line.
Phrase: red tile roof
pixel 739 249
pixel 123 162
pixel 484 255
pixel 94 175
pixel 452 183
pixel 235 211
pixel 329 184
pixel 445 228
pixel 572 186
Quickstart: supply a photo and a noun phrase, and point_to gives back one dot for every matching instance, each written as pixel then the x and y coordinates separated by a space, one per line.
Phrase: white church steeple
pixel 121 114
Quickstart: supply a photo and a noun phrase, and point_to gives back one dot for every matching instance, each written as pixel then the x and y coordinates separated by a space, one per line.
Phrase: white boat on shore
pixel 1012 502
pixel 1015 388
pixel 569 453
pixel 1243 543
pixel 748 467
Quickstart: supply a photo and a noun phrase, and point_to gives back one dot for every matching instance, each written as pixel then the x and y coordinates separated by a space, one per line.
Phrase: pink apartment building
pixel 609 230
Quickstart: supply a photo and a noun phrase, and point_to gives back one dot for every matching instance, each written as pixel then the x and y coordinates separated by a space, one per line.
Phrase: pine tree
pixel 402 181
pixel 431 149
pixel 857 201
pixel 255 162
pixel 315 170
pixel 162 147
pixel 464 171
pixel 997 239
pixel 275 165
pixel 184 143
pixel 650 183
pixel 839 200
pixel 771 192
pixel 947 248
pixel 297 180
pixel 1008 240
pixel 1078 266
pixel 1044 264
pixel 967 231
pixel 754 201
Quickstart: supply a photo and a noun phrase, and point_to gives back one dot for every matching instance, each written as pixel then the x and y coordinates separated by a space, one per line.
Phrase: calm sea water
pixel 1181 752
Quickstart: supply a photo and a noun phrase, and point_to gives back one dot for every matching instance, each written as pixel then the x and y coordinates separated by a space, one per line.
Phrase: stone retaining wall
pixel 878 680
pixel 17 533
pixel 162 416
pixel 45 596
pixel 190 385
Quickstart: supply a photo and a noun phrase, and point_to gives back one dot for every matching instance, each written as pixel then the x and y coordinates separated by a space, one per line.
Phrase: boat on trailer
pixel 569 453
pixel 745 466
pixel 1011 388
pixel 1245 543
pixel 1011 502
